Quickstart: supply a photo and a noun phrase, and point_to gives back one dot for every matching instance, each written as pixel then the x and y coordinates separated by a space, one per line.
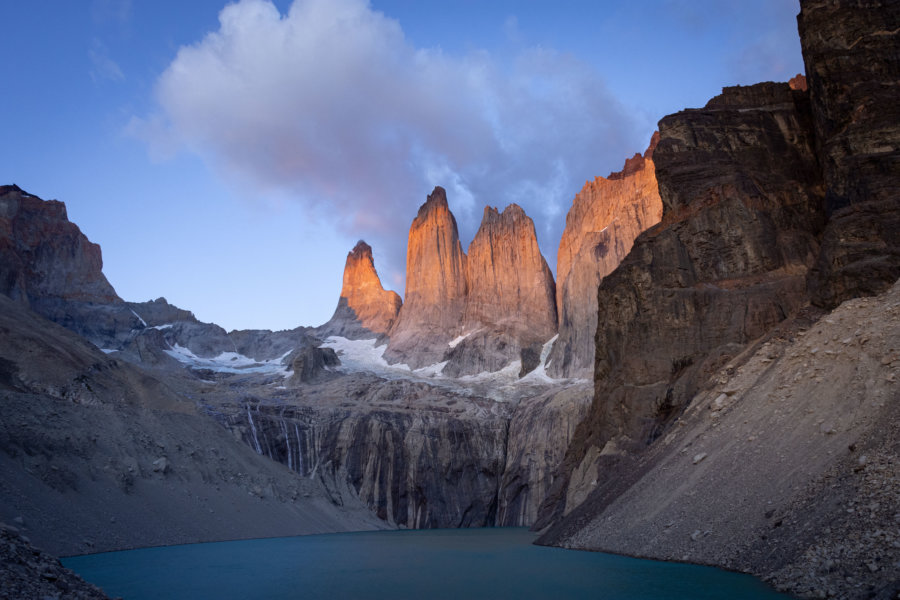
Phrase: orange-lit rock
pixel 435 296
pixel 511 302
pixel 606 216
pixel 798 82
pixel 365 307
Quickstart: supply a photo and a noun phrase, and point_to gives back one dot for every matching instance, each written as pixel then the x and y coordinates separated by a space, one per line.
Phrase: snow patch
pixel 540 372
pixel 230 362
pixel 143 322
pixel 108 350
pixel 362 355
pixel 455 342
pixel 161 327
pixel 434 370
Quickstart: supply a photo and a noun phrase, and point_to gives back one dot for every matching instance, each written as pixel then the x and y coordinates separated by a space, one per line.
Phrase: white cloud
pixel 331 103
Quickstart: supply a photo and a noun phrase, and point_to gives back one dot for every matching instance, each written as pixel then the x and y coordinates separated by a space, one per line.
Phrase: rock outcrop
pixel 365 308
pixel 48 265
pixel 739 182
pixel 510 305
pixel 27 572
pixel 433 306
pixel 418 455
pixel 852 56
pixel 774 197
pixel 45 256
pixel 606 216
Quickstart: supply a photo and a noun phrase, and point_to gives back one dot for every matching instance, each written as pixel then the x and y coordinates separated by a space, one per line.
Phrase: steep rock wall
pixel 434 302
pixel 606 216
pixel 742 198
pixel 510 302
pixel 852 56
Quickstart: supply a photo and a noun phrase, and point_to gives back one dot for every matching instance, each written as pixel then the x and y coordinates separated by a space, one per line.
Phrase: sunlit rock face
pixel 852 57
pixel 48 265
pixel 44 255
pixel 606 216
pixel 431 315
pixel 510 303
pixel 742 198
pixel 365 307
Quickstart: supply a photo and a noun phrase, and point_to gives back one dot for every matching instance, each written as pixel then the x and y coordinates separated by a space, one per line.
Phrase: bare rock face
pixel 740 186
pixel 601 226
pixel 431 315
pixel 44 255
pixel 852 56
pixel 510 304
pixel 365 307
pixel 48 265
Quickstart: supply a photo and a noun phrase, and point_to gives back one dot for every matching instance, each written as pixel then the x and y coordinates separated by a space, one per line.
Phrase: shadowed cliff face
pixel 852 56
pixel 739 182
pixel 774 196
pixel 606 216
pixel 510 302
pixel 433 306
pixel 365 307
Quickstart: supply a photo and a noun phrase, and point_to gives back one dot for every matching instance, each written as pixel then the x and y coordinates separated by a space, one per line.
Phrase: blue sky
pixel 228 156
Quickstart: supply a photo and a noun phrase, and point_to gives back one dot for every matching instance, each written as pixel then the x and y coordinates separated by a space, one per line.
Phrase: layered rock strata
pixel 606 216
pixel 739 182
pixel 510 304
pixel 774 196
pixel 852 57
pixel 365 308
pixel 434 302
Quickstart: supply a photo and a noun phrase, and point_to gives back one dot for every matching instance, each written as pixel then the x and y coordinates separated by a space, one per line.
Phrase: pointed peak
pixel 360 250
pixel 436 200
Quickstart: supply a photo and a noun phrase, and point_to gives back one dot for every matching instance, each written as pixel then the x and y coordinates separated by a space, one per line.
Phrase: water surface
pixel 444 563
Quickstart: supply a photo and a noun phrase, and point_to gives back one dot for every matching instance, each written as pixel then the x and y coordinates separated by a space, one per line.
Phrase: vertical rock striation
pixel 852 56
pixel 510 304
pixel 606 216
pixel 433 306
pixel 365 307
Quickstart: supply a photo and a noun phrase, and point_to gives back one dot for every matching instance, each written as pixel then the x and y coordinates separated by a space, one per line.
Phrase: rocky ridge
pixel 606 216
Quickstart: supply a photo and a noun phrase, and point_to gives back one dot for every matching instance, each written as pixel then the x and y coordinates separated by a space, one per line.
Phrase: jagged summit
pixel 435 286
pixel 365 307
pixel 511 301
pixel 436 200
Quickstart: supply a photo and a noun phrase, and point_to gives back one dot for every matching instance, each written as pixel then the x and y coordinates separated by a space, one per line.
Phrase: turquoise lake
pixel 445 563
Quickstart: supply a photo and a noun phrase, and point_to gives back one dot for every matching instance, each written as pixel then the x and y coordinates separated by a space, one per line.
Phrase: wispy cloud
pixel 333 104
pixel 102 66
